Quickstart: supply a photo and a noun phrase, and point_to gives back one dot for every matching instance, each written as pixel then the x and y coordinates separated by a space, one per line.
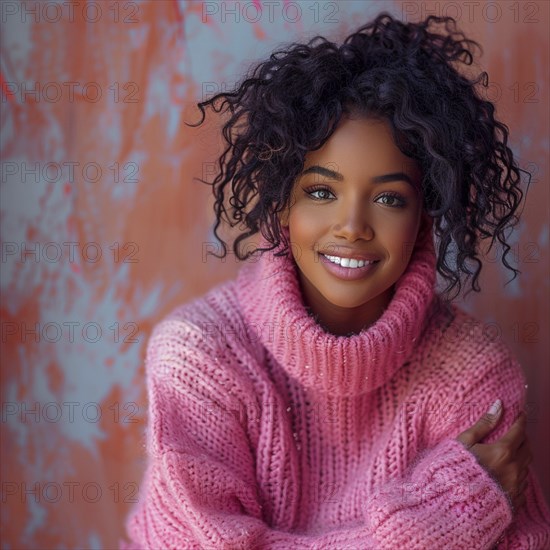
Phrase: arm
pixel 200 489
pixel 503 377
pixel 530 528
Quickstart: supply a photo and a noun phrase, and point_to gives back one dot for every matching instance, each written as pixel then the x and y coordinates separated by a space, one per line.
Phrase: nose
pixel 353 222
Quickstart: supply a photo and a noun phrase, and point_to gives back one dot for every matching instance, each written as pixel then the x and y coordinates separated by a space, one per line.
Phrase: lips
pixel 348 273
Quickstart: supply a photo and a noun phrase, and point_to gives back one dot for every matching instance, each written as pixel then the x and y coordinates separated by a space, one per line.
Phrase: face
pixel 353 220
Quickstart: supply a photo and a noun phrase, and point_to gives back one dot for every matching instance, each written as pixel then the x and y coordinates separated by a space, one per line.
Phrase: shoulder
pixel 192 324
pixel 462 352
pixel 203 344
pixel 199 372
pixel 462 368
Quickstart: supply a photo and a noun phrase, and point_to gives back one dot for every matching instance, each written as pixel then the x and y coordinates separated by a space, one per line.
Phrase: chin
pixel 348 302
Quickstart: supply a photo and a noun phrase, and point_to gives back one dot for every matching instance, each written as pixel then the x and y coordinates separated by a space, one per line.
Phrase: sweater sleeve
pixel 491 374
pixel 200 489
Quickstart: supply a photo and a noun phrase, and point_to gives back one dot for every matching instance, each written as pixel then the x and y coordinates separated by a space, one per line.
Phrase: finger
pixel 519 488
pixel 524 454
pixel 523 480
pixel 522 487
pixel 519 502
pixel 483 426
pixel 516 435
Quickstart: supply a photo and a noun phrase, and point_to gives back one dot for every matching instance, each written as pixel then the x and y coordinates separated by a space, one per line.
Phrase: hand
pixel 507 459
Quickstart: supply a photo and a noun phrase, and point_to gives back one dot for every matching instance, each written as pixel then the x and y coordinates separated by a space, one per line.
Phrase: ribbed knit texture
pixel 265 431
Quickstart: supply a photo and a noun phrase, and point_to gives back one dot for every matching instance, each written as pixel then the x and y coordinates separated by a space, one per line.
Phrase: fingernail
pixel 495 408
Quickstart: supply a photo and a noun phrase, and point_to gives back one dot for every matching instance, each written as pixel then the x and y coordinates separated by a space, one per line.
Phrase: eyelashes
pixel 396 200
pixel 318 189
pixel 387 198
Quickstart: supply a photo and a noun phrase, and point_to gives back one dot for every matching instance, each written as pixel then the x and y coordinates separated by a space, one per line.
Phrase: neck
pixel 331 362
pixel 342 321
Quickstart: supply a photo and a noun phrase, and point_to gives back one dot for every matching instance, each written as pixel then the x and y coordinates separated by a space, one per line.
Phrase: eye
pixel 392 200
pixel 319 193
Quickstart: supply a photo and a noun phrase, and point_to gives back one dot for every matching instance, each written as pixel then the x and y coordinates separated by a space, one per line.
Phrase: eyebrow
pixel 395 176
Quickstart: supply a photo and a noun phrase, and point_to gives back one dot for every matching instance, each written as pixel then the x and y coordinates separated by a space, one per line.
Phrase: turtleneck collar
pixel 269 294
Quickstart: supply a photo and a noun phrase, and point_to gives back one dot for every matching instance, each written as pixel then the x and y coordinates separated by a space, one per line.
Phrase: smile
pixel 351 263
pixel 348 269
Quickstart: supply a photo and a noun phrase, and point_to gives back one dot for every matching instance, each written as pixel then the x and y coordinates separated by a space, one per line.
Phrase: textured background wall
pixel 103 227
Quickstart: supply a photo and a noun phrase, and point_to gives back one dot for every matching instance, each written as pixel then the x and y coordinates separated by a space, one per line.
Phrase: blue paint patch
pixel 221 59
pixel 37 516
pixel 543 236
pixel 94 542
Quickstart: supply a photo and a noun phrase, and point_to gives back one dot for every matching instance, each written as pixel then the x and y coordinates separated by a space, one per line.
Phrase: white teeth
pixel 347 262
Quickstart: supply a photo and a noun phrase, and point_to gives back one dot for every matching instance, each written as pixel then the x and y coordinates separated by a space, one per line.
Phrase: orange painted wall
pixel 104 229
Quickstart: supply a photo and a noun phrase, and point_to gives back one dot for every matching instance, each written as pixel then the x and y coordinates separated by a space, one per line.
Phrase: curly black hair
pixel 405 73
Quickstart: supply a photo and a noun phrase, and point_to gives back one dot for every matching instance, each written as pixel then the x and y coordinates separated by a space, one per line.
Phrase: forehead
pixel 362 145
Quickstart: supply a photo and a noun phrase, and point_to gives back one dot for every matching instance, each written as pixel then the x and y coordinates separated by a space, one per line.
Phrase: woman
pixel 329 397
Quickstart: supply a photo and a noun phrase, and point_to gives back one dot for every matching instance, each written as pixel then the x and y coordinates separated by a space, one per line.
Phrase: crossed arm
pixel 447 499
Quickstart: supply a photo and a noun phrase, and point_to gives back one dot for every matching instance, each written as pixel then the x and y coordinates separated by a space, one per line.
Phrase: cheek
pixel 303 223
pixel 399 236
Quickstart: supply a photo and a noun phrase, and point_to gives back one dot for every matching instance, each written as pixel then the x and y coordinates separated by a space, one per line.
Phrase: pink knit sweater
pixel 265 431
